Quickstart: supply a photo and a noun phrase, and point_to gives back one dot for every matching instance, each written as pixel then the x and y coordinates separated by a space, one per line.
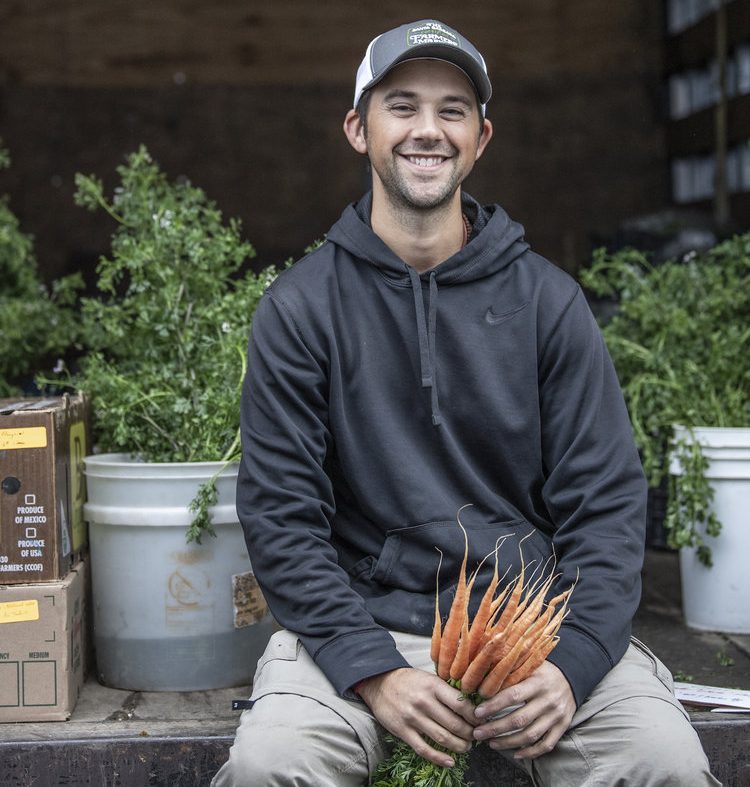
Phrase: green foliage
pixel 37 323
pixel 680 343
pixel 690 497
pixel 167 337
pixel 405 768
pixel 205 498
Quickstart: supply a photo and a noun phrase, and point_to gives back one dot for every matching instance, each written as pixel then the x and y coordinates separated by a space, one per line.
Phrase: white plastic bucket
pixel 166 613
pixel 716 598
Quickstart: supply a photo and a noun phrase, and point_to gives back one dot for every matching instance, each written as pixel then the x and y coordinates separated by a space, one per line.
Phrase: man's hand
pixel 412 703
pixel 547 706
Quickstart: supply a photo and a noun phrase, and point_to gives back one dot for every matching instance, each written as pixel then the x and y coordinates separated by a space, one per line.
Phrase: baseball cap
pixel 427 38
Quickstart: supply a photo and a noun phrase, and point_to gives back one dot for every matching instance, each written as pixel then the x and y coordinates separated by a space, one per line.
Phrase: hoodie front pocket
pixel 411 555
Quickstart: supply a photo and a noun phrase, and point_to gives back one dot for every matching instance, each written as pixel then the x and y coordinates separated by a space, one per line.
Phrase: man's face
pixel 423 134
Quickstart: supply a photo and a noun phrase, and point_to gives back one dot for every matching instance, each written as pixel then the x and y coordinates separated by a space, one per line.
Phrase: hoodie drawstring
pixel 426 330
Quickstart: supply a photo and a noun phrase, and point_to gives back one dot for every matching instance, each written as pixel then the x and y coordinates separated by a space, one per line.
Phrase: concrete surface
pixel 120 738
pixel 711 658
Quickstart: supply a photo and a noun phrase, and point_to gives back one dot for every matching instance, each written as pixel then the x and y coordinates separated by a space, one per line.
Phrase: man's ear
pixel 354 129
pixel 485 136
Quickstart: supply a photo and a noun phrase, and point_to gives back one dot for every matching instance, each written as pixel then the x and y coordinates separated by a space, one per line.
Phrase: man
pixel 423 359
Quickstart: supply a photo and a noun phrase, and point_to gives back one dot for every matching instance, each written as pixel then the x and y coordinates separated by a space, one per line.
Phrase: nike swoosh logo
pixel 495 319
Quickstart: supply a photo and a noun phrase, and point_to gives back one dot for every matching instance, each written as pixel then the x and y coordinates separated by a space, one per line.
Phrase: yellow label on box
pixel 28 437
pixel 77 483
pixel 19 611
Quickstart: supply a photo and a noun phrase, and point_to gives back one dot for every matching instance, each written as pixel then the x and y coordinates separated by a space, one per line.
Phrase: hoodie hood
pixel 494 243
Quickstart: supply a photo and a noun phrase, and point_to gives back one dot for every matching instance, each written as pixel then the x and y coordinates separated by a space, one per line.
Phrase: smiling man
pixel 424 359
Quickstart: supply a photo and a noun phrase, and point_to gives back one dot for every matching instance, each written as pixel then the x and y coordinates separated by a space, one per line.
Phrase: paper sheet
pixel 718 699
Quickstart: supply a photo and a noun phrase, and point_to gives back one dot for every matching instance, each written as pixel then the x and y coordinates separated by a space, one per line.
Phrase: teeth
pixel 421 161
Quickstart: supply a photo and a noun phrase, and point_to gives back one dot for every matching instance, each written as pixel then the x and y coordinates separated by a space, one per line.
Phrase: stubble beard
pixel 407 195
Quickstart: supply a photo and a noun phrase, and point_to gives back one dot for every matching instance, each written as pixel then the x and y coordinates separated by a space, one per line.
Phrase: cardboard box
pixel 42 487
pixel 42 648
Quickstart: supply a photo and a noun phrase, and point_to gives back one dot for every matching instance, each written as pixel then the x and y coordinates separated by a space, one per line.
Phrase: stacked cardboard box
pixel 42 647
pixel 43 573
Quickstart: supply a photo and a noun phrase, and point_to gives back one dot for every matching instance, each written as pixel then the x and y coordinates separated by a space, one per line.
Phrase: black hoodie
pixel 379 401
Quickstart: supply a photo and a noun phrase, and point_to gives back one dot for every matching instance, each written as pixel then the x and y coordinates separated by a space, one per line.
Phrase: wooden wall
pixel 246 98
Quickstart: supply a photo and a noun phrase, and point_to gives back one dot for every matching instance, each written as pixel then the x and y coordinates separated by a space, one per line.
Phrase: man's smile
pixel 423 160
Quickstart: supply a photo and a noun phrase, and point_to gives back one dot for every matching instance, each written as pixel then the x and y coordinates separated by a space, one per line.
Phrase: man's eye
pixel 401 108
pixel 454 112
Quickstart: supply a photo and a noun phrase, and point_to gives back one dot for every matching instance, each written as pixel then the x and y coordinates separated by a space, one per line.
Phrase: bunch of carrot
pixel 512 632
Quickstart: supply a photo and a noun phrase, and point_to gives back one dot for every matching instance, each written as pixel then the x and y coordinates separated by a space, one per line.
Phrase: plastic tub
pixel 168 615
pixel 716 598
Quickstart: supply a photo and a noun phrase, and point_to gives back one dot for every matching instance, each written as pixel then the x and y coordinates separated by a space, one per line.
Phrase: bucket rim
pixel 715 436
pixel 131 464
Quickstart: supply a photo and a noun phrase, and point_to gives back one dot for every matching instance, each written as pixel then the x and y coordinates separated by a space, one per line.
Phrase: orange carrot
pixel 533 589
pixel 532 663
pixel 544 622
pixel 459 610
pixel 437 627
pixel 494 680
pixel 560 597
pixel 491 628
pixel 499 600
pixel 513 633
pixel 510 608
pixel 481 664
pixel 515 600
pixel 461 659
pixel 533 605
pixel 463 652
pixel 484 612
pixel 555 622
pixel 532 638
pixel 498 607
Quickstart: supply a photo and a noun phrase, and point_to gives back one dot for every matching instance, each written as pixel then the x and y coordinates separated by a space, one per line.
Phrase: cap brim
pixel 458 57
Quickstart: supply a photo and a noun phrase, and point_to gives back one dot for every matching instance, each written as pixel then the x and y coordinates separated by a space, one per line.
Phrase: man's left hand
pixel 547 707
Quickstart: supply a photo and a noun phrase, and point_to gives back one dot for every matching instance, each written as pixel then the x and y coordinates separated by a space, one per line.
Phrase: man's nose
pixel 427 125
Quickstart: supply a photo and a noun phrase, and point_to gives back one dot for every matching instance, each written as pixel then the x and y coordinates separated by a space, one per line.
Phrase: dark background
pixel 247 98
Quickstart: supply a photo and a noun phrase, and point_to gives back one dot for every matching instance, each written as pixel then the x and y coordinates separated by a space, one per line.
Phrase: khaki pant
pixel 631 731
